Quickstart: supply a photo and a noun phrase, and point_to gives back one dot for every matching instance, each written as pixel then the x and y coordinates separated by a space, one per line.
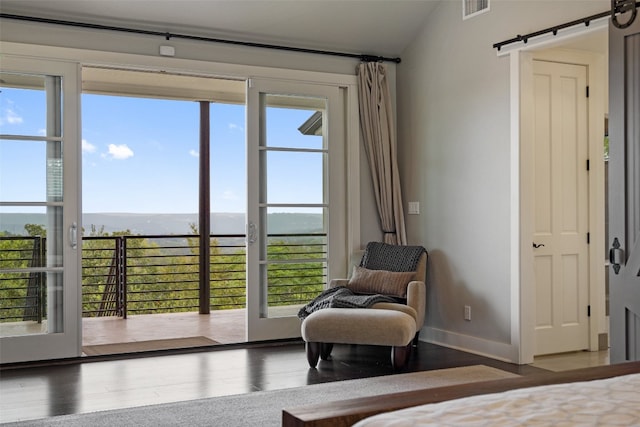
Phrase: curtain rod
pixel 169 35
pixel 617 7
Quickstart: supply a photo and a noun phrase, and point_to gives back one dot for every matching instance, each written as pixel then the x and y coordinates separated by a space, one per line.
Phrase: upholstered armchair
pixel 390 282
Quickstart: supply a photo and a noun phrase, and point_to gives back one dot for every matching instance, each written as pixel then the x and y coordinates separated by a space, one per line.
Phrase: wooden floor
pixel 115 382
pixel 108 383
pixel 93 383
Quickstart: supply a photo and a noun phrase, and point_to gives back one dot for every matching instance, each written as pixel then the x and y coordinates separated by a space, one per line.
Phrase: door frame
pixel 347 84
pixel 522 209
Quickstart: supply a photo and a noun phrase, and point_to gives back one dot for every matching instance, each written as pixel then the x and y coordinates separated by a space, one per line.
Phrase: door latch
pixel 537 245
pixel 615 255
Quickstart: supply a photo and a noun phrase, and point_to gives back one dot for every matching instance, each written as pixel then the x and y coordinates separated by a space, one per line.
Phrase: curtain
pixel 378 131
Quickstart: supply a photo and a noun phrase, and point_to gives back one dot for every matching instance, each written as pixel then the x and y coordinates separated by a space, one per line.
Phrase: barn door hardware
pixel 615 256
pixel 620 7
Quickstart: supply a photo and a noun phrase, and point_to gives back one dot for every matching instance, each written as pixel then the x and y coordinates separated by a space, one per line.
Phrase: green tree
pixel 35 230
pixel 17 252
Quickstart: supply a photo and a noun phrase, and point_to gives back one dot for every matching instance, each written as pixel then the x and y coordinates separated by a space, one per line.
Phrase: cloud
pixel 10 117
pixel 194 153
pixel 120 152
pixel 87 147
pixel 233 126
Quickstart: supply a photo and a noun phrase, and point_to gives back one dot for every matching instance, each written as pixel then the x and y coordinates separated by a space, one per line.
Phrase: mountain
pixel 161 224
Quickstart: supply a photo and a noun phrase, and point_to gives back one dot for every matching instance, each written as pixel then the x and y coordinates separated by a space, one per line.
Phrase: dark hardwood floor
pixel 93 384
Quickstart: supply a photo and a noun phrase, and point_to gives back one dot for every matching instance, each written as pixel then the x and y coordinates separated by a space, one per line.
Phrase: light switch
pixel 414 208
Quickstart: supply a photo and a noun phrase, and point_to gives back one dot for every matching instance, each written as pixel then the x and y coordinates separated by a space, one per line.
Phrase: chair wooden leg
pixel 313 352
pixel 325 350
pixel 400 356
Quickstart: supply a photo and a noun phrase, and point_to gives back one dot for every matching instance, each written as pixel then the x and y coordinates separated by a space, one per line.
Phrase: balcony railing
pixel 124 275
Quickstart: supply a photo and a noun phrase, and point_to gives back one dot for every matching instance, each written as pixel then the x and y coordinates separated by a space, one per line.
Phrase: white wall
pixel 453 95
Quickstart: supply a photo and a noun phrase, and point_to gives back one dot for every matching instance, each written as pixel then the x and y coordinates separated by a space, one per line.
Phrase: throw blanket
pixel 382 256
pixel 341 297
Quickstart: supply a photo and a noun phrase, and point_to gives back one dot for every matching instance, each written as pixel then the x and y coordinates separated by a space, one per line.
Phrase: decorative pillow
pixel 364 281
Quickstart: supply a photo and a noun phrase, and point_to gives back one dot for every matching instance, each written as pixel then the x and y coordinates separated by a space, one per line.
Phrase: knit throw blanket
pixel 382 256
pixel 341 297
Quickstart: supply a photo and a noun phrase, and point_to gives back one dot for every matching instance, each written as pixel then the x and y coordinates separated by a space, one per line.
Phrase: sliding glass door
pixel 292 191
pixel 296 200
pixel 39 186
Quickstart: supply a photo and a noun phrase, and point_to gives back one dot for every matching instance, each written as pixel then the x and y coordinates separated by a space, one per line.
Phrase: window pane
pixel 295 177
pixel 294 122
pixel 30 171
pixel 286 221
pixel 19 224
pixel 23 106
pixel 296 253
pixel 31 303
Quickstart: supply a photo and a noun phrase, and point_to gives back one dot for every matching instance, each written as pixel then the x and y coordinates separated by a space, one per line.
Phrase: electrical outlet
pixel 467 312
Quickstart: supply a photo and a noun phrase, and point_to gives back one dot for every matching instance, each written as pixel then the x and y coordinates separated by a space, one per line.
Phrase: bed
pixel 606 395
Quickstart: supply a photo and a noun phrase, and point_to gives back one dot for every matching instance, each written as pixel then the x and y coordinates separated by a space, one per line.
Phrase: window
pixel 472 8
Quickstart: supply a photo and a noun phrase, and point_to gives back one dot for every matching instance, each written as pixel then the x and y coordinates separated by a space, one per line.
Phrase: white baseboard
pixel 482 347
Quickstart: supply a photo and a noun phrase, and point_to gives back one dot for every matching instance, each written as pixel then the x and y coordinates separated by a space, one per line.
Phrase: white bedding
pixel 609 402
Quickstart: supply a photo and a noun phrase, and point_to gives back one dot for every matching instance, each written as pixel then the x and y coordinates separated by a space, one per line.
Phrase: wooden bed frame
pixel 347 412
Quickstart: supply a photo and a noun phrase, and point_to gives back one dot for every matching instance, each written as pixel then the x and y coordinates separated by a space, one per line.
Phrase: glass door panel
pixel 39 256
pixel 295 178
pixel 296 264
pixel 289 157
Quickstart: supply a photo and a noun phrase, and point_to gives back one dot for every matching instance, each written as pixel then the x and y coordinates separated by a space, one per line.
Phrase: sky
pixel 140 155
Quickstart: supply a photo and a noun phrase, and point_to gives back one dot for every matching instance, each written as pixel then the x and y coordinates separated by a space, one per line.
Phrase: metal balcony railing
pixel 124 275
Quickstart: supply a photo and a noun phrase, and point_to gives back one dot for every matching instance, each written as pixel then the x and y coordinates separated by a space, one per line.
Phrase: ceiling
pixel 372 27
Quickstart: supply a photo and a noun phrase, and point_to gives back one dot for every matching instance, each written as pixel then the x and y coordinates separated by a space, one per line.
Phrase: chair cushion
pixel 365 281
pixel 367 326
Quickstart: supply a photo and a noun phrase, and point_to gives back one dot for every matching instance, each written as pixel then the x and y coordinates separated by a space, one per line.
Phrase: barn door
pixel 624 190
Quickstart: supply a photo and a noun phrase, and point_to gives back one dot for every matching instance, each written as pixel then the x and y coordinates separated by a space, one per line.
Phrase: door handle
pixel 615 255
pixel 537 245
pixel 252 234
pixel 73 236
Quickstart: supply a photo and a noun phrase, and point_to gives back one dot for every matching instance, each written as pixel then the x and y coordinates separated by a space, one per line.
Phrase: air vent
pixel 471 8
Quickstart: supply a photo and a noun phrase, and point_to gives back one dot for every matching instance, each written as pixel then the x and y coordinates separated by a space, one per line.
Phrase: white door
pixel 560 239
pixel 624 191
pixel 40 275
pixel 296 174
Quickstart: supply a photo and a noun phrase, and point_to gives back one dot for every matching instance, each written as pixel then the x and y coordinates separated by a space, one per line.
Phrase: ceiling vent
pixel 471 8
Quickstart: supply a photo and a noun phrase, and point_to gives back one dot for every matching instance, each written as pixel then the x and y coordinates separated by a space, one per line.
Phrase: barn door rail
pixel 622 12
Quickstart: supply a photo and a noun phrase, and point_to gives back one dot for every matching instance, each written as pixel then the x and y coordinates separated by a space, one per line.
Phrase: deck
pixel 224 327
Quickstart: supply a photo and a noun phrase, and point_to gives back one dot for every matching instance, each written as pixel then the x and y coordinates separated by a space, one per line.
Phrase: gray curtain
pixel 378 132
